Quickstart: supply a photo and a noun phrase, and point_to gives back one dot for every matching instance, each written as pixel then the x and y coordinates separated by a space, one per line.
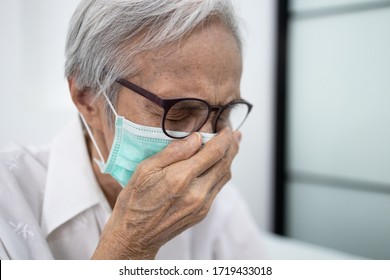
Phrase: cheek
pixel 142 115
pixel 128 106
pixel 137 109
pixel 109 134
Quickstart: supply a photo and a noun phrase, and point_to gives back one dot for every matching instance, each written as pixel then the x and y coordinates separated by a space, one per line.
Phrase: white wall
pixel 338 118
pixel 35 103
pixel 252 169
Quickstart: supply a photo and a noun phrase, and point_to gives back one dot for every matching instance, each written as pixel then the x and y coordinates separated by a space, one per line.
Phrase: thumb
pixel 177 151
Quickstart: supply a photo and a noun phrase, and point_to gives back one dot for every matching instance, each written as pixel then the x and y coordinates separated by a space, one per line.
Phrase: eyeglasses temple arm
pixel 147 94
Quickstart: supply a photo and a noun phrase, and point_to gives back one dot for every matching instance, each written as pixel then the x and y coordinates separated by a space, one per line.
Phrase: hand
pixel 167 194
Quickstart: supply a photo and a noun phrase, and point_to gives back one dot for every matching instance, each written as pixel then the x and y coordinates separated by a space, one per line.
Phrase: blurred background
pixel 333 96
pixel 314 161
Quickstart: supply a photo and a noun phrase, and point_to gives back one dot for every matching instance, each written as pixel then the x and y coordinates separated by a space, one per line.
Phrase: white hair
pixel 106 36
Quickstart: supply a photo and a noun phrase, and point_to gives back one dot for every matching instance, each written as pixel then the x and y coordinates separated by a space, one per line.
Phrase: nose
pixel 207 127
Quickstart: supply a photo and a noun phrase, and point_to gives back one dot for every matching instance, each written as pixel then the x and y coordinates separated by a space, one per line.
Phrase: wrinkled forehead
pixel 207 60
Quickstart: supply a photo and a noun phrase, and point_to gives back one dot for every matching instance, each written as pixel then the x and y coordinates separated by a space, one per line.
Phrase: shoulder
pixel 23 172
pixel 18 159
pixel 22 165
pixel 13 155
pixel 22 182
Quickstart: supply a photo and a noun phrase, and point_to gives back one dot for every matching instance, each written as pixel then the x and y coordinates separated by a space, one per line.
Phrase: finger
pixel 223 166
pixel 197 201
pixel 237 136
pixel 191 209
pixel 215 191
pixel 193 213
pixel 209 183
pixel 177 151
pixel 219 171
pixel 212 152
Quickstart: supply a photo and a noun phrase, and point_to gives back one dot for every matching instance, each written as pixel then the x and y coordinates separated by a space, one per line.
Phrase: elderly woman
pixel 143 172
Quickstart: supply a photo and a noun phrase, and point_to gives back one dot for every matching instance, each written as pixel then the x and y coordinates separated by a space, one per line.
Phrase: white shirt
pixel 51 207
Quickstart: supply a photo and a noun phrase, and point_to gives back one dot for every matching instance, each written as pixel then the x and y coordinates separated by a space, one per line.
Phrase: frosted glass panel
pixel 303 5
pixel 339 98
pixel 353 221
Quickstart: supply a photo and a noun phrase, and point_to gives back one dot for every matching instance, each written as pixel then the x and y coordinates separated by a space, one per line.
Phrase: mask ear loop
pixel 92 138
pixel 90 132
pixel 110 104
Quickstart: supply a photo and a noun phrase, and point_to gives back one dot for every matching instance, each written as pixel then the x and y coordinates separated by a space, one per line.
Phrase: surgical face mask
pixel 132 144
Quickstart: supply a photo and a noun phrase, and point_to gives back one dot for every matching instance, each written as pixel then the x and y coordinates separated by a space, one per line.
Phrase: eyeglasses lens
pixel 186 116
pixel 190 115
pixel 233 116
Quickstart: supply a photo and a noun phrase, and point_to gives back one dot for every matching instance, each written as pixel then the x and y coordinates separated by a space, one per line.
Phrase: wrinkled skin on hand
pixel 167 194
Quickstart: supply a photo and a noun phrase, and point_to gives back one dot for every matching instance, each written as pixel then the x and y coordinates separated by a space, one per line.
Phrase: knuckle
pixel 204 211
pixel 219 151
pixel 225 165
pixel 228 176
pixel 197 200
pixel 178 179
pixel 187 175
pixel 142 168
pixel 192 173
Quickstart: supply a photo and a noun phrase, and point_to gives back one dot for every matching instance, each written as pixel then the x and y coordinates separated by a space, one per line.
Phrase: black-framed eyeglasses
pixel 190 114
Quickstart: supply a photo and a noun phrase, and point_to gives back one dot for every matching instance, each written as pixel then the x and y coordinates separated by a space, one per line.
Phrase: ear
pixel 83 98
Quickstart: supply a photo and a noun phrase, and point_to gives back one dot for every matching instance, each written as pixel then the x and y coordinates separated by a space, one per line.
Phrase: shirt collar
pixel 71 186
